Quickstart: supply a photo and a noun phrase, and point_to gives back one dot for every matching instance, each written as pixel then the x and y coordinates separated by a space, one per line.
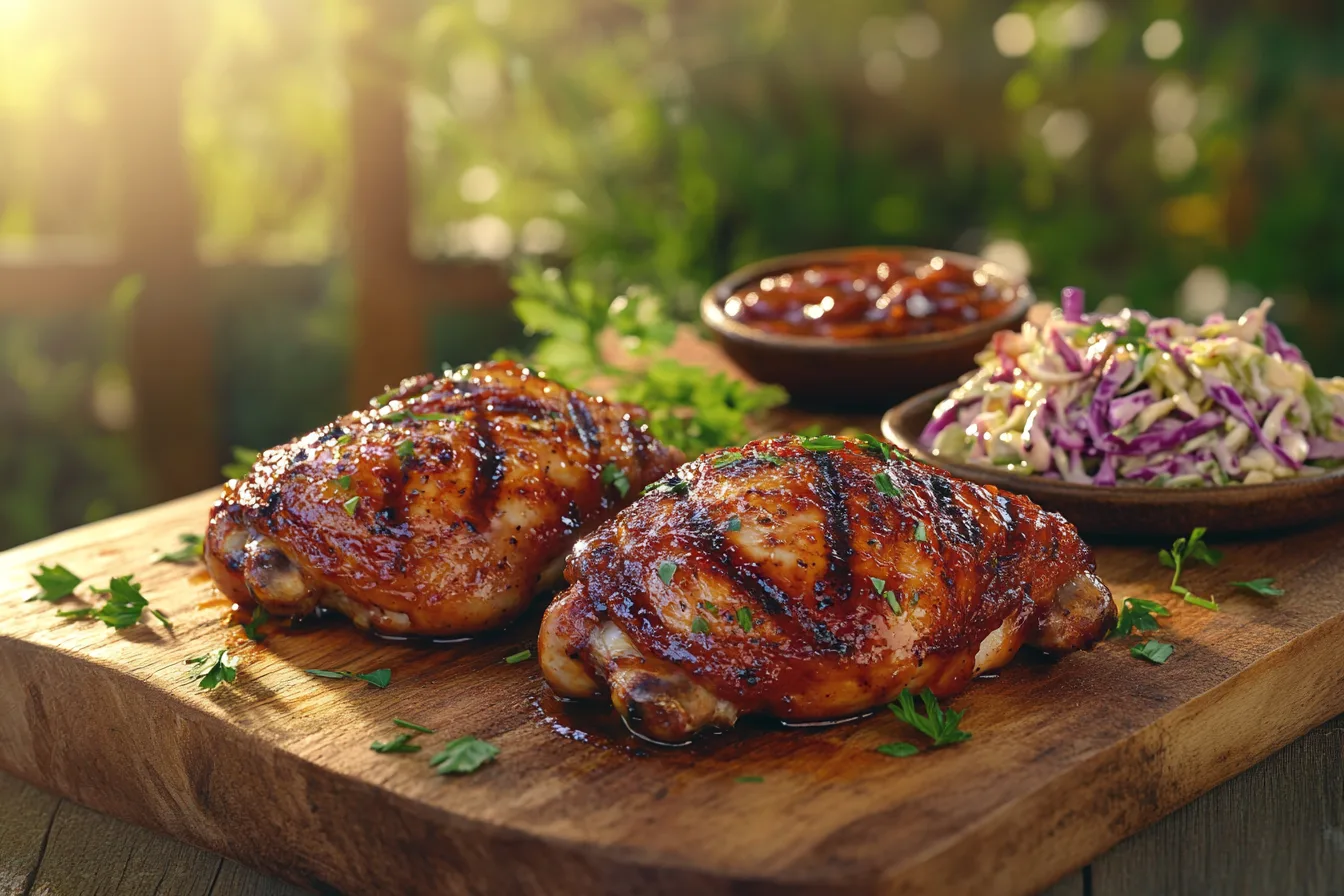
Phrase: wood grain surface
pixel 1067 758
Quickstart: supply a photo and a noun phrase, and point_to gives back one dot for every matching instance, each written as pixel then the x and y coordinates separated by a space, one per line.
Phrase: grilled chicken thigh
pixel 440 509
pixel 811 579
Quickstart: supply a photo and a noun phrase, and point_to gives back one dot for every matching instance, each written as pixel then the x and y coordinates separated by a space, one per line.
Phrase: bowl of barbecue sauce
pixel 858 328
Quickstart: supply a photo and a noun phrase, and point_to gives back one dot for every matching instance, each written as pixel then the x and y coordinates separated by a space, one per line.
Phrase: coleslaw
pixel 1111 399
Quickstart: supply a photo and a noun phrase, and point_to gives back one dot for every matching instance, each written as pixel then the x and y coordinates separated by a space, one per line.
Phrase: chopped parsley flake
pixel 350 504
pixel 343 482
pixel 744 619
pixel 56 582
pixel 749 779
pixel 406 449
pixel 402 723
pixel 1152 651
pixel 614 476
pixel 821 443
pixel 521 656
pixel 399 744
pixel 1137 613
pixel 900 749
pixel 1263 587
pixel 734 525
pixel 872 443
pixel 726 458
pixel 666 570
pixel 885 486
pixel 379 678
pixel 193 547
pixel 937 723
pixel 921 533
pixel 213 669
pixel 463 756
pixel 699 626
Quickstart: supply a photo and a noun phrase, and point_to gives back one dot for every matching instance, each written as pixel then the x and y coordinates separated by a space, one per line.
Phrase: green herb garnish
pixel 1183 549
pixel 402 723
pixel 709 607
pixel 243 461
pixel 399 744
pixel 726 458
pixel 613 475
pixel 1191 598
pixel 672 486
pixel 122 608
pixel 821 443
pixel 343 482
pixel 213 668
pixel 1263 587
pixel 880 586
pixel 900 749
pixel 193 547
pixel 406 449
pixel 350 504
pixel 1152 651
pixel 885 486
pixel 734 525
pixel 699 626
pixel 749 779
pixel 872 443
pixel 463 756
pixel 666 570
pixel 56 583
pixel 941 725
pixel 252 628
pixel 771 458
pixel 162 617
pixel 1137 613
pixel 515 658
pixel 744 619
pixel 921 533
pixel 379 678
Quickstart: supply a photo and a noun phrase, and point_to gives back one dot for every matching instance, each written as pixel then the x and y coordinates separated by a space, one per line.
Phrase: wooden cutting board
pixel 1067 758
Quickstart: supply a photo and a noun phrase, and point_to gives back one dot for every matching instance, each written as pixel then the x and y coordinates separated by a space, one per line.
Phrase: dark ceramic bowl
pixel 1136 511
pixel 824 373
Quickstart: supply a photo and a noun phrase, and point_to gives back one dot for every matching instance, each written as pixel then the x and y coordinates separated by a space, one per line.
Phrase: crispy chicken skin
pixel 441 509
pixel 753 580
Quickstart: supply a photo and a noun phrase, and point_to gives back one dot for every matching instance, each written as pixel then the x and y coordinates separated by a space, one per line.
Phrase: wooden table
pixel 1277 828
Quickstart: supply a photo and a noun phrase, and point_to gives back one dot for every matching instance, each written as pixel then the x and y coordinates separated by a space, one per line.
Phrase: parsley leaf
pixel 213 668
pixel 885 486
pixel 687 405
pixel 699 626
pixel 821 443
pixel 613 475
pixel 521 656
pixel 1183 549
pixel 1137 613
pixel 463 756
pixel 1153 651
pixel 666 570
pixel 771 458
pixel 243 461
pixel 122 608
pixel 402 723
pixel 343 482
pixel 726 458
pixel 1263 587
pixel 399 744
pixel 193 547
pixel 252 628
pixel 899 749
pixel 406 449
pixel 379 678
pixel 744 619
pixel 941 725
pixel 670 486
pixel 56 583
pixel 1191 598
pixel 734 525
pixel 350 504
pixel 880 586
pixel 159 615
pixel 921 532
pixel 872 443
pixel 749 779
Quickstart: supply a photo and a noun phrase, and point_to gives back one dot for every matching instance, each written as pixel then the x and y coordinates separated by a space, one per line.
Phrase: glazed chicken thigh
pixel 441 509
pixel 811 579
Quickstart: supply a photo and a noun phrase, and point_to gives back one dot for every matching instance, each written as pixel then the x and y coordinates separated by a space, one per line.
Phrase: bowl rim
pixel 891 428
pixel 711 309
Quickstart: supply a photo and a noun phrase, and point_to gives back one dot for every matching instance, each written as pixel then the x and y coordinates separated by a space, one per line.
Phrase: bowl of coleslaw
pixel 1133 411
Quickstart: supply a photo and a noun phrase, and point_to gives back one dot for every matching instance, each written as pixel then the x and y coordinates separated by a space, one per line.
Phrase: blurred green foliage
pixel 1175 155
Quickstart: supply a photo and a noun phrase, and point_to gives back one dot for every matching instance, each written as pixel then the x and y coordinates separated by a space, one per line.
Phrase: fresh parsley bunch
pixel 687 405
